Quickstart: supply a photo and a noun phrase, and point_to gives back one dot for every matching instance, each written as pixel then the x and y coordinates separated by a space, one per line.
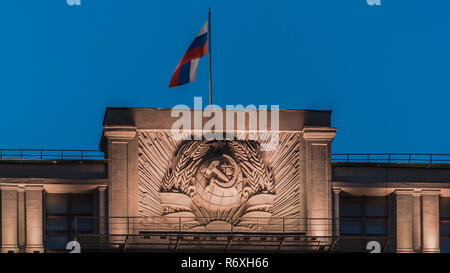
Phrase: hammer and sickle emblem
pixel 221 173
pixel 213 170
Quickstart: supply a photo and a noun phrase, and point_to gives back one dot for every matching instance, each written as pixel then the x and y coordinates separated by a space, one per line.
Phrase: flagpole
pixel 209 51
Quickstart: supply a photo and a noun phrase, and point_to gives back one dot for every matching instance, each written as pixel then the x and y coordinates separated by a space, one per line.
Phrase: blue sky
pixel 383 70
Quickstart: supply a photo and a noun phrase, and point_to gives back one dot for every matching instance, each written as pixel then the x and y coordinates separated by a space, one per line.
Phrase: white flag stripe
pixel 204 29
pixel 193 72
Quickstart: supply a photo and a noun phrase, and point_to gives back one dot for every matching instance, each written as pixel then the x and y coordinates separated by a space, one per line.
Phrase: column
pixel 430 220
pixel 404 216
pixel 336 210
pixel 102 208
pixel 417 221
pixel 9 219
pixel 21 217
pixel 318 179
pixel 34 220
pixel 119 141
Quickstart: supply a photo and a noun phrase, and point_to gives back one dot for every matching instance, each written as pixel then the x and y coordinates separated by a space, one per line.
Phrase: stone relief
pixel 225 182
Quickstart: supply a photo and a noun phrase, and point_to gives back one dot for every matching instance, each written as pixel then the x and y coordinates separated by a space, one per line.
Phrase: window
pixel 363 216
pixel 444 224
pixel 62 209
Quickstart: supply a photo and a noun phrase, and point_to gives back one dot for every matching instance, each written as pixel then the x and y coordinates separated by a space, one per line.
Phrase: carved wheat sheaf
pixel 259 175
pixel 184 165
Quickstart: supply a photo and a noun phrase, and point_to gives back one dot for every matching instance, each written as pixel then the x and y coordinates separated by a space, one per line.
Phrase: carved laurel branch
pixel 260 177
pixel 179 174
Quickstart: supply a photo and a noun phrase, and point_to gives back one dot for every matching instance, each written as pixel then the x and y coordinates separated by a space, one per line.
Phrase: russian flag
pixel 187 68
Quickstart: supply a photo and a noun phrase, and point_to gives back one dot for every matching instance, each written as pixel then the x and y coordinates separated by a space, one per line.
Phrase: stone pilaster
pixel 9 219
pixel 405 226
pixel 430 220
pixel 318 179
pixel 417 222
pixel 102 205
pixel 34 218
pixel 121 150
pixel 336 212
pixel 21 217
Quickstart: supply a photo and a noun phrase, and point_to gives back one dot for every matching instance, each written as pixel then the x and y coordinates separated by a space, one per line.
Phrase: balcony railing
pixel 204 234
pixel 392 158
pixel 249 234
pixel 50 154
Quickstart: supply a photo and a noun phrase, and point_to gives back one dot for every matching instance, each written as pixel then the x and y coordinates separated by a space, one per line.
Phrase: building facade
pixel 149 191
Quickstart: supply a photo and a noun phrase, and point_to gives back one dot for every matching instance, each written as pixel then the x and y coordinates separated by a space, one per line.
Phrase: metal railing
pixel 204 234
pixel 346 157
pixel 50 154
pixel 392 158
pixel 131 234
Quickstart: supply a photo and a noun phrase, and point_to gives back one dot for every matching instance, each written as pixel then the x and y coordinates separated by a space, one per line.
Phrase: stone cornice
pixel 431 191
pixel 35 180
pixel 34 187
pixel 9 187
pixel 319 133
pixel 119 132
pixel 404 191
